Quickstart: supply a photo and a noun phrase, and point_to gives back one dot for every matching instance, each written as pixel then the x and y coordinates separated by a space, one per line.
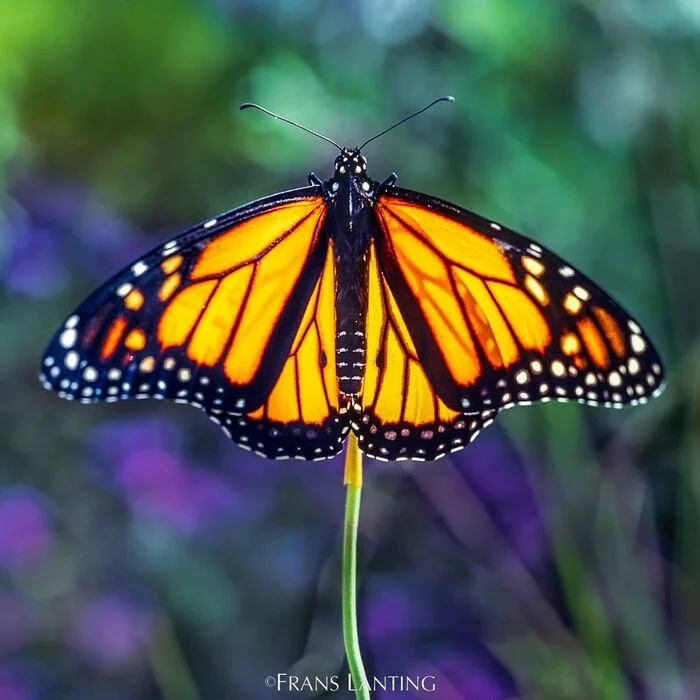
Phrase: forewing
pixel 496 319
pixel 210 318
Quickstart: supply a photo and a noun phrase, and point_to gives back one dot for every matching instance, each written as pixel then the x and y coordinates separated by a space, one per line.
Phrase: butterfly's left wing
pixel 493 320
pixel 235 316
pixel 303 416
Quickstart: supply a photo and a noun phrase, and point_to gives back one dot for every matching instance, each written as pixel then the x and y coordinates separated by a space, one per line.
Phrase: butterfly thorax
pixel 350 195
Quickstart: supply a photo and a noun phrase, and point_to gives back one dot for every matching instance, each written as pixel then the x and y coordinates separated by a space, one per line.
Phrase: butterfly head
pixel 350 162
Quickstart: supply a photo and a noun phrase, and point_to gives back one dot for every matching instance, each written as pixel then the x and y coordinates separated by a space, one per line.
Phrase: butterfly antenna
pixel 446 98
pixel 247 105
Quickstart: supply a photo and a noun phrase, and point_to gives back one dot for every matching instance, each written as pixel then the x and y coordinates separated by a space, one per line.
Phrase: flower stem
pixel 353 481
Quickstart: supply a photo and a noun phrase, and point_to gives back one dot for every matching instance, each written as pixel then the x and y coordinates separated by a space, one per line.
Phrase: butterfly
pixel 352 305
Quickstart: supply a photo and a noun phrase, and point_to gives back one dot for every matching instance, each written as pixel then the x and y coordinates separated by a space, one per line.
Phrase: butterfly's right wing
pixel 499 320
pixel 476 318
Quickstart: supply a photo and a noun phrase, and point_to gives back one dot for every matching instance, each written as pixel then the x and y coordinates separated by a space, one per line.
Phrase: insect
pixel 352 305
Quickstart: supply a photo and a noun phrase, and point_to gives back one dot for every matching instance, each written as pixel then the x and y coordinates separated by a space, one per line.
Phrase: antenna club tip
pixel 245 105
pixel 448 98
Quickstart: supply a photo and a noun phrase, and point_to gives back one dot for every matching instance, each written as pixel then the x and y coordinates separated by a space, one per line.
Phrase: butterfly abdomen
pixel 351 314
pixel 351 247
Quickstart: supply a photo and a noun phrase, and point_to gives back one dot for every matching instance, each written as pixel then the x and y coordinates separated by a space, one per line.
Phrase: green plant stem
pixel 170 670
pixel 353 483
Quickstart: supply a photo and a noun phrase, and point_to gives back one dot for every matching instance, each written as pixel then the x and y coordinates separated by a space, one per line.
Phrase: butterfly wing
pixel 496 320
pixel 401 416
pixel 211 318
pixel 301 417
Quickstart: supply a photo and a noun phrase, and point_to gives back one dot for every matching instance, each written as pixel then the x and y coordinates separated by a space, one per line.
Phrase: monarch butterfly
pixel 352 304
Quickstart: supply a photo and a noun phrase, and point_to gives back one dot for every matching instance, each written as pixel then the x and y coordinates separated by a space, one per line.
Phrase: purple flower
pixel 500 480
pixel 25 528
pixel 16 684
pixel 390 614
pixel 159 485
pixel 114 439
pixel 113 630
pixel 145 460
pixel 57 233
pixel 32 266
pixel 459 676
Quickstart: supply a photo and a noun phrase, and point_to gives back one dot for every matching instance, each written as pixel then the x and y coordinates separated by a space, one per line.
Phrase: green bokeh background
pixel 576 122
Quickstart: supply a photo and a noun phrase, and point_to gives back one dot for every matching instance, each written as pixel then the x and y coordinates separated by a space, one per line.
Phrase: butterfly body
pixel 349 195
pixel 356 305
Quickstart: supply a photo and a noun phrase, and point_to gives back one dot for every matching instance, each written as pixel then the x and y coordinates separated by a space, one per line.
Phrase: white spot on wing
pixel 614 379
pixel 522 377
pixel 139 268
pixel 72 360
pixel 637 343
pixel 68 337
pixel 558 369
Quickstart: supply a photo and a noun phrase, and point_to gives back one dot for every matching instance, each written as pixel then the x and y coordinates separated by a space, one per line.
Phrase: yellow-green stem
pixel 353 483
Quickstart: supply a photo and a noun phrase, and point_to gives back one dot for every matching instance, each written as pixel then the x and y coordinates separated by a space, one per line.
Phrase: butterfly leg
pixel 390 181
pixel 316 180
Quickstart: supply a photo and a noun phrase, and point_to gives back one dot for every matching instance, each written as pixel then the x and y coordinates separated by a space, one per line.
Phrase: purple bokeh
pixel 26 536
pixel 477 676
pixel 389 614
pixel 403 617
pixel 113 630
pixel 146 461
pixel 16 622
pixel 57 233
pixel 32 266
pixel 16 683
pixel 158 484
pixel 500 480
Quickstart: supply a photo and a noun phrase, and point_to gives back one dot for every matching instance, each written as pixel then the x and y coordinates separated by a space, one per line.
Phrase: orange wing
pixel 300 418
pixel 224 317
pixel 481 318
pixel 401 414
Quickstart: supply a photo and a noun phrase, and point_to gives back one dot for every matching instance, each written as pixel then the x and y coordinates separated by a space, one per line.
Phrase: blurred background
pixel 144 556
